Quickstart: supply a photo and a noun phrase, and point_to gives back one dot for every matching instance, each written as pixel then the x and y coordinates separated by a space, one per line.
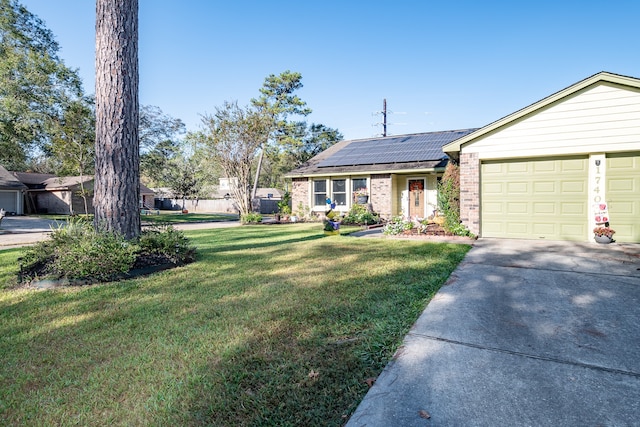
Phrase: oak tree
pixel 35 84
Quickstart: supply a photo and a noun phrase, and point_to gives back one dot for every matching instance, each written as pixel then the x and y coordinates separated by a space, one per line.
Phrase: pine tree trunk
pixel 117 178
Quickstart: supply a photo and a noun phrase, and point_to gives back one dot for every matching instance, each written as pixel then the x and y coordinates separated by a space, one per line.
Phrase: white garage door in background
pixel 8 201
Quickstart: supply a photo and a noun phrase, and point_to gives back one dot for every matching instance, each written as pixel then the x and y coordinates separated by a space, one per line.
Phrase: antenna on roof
pixel 384 113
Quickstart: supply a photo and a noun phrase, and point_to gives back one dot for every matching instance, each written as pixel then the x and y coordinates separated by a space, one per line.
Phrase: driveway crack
pixel 529 356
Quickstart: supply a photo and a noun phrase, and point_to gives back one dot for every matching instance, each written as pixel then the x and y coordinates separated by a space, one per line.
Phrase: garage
pixel 545 171
pixel 623 195
pixel 10 192
pixel 9 201
pixel 535 198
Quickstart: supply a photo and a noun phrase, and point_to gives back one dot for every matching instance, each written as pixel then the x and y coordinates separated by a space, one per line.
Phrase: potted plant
pixel 361 195
pixel 285 212
pixel 603 234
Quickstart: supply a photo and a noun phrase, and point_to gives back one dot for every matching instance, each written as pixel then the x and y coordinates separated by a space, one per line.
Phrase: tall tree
pixel 157 127
pixel 159 143
pixel 233 137
pixel 117 178
pixel 278 102
pixel 302 143
pixel 35 84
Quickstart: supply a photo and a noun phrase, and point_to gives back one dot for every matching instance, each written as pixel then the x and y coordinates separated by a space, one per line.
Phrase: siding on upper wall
pixel 601 118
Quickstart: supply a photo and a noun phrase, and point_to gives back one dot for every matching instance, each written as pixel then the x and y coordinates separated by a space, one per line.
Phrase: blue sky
pixel 441 65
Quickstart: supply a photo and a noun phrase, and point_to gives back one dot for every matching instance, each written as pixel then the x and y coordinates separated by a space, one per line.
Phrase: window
pixel 359 185
pixel 320 193
pixel 339 192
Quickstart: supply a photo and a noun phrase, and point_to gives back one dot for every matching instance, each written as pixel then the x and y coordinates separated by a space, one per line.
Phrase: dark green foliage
pixel 360 215
pixel 35 85
pixel 77 251
pixel 251 218
pixel 449 200
pixel 284 205
pixel 167 242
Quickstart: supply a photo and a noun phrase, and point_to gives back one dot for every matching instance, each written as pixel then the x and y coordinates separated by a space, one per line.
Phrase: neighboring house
pixel 147 197
pixel 268 199
pixel 544 171
pixel 48 193
pixel 397 175
pixel 11 191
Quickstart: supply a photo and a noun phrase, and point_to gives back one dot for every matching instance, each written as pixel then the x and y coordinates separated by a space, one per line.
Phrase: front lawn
pixel 172 217
pixel 270 326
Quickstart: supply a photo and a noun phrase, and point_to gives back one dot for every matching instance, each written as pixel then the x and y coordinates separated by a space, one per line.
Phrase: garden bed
pixel 432 231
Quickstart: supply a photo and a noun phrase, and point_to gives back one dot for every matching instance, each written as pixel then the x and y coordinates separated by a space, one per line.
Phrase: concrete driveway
pixel 17 231
pixel 525 333
pixel 25 230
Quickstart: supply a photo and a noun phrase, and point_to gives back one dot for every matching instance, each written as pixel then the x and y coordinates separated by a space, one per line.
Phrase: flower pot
pixel 603 239
pixel 362 200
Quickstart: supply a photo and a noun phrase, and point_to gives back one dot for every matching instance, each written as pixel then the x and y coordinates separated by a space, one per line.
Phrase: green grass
pixel 270 326
pixel 174 218
pixel 164 217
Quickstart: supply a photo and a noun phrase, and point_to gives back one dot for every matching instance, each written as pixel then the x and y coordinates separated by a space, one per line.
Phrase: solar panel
pixel 395 149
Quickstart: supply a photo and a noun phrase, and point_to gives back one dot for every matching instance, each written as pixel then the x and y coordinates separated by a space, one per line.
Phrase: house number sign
pixel 599 208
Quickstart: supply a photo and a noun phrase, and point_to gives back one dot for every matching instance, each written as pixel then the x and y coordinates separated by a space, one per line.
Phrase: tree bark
pixel 117 176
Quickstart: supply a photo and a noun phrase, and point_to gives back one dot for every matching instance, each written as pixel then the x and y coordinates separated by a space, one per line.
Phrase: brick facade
pixel 470 191
pixel 380 195
pixel 299 193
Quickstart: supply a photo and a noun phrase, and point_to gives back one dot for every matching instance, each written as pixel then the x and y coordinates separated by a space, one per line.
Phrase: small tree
pixel 73 145
pixel 182 177
pixel 232 137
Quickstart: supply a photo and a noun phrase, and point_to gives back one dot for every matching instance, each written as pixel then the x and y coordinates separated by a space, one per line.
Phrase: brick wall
pixel 380 195
pixel 299 193
pixel 470 191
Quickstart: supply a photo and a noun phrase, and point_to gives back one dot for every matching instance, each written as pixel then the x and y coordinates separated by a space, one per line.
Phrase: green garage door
pixel 623 195
pixel 535 199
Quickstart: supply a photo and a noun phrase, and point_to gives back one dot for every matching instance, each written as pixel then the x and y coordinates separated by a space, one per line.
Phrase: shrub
pixel 449 201
pixel 99 257
pixel 303 212
pixel 251 218
pixel 360 215
pixel 167 242
pixel 397 225
pixel 283 205
pixel 77 251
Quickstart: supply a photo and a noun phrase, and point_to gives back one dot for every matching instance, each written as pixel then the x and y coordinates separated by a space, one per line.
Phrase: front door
pixel 416 198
